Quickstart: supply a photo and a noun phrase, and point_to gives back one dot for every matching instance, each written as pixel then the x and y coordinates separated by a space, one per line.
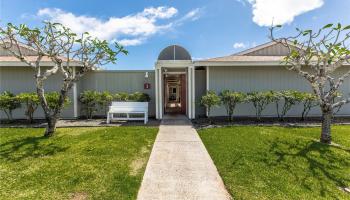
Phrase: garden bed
pixel 96 122
pixel 204 122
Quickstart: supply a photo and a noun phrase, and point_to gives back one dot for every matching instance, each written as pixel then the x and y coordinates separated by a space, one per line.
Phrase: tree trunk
pixel 7 115
pixel 327 115
pixel 10 115
pixel 51 126
pixel 230 116
pixel 303 114
pixel 278 112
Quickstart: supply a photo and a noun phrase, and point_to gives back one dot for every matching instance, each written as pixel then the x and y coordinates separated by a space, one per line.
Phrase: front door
pixel 175 94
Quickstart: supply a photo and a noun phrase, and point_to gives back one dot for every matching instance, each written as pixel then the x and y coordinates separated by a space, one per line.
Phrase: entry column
pixel 191 92
pixel 159 92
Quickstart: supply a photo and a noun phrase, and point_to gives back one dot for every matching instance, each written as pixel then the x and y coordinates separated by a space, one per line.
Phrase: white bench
pixel 128 108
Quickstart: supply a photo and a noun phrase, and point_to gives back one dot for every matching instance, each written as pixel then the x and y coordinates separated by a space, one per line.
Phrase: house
pixel 177 82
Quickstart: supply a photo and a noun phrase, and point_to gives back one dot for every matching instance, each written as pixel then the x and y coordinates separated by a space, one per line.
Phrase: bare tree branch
pixel 64 49
pixel 323 52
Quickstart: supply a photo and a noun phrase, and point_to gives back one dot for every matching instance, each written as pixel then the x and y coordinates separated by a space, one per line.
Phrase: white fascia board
pixel 242 63
pixel 43 64
pixel 122 71
pixel 173 63
pixel 236 63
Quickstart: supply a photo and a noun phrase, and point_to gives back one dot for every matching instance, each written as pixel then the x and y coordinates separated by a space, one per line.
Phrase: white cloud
pixel 130 42
pixel 193 14
pixel 239 45
pixel 199 58
pixel 244 45
pixel 159 12
pixel 132 29
pixel 280 11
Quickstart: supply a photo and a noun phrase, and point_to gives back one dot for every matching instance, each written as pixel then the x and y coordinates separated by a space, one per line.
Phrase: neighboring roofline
pixel 42 63
pixel 21 44
pixel 261 46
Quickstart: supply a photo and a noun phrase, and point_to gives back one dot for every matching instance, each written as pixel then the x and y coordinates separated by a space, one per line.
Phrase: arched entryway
pixel 174 73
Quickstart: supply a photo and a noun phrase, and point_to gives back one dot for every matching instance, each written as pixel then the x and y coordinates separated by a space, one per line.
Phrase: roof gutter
pixel 243 63
pixel 42 63
pixel 237 63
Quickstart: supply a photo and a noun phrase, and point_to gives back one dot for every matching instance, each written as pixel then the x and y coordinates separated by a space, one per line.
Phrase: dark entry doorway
pixel 175 93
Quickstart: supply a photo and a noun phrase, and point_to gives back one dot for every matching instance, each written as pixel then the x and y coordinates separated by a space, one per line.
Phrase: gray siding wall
pixel 200 90
pixel 119 81
pixel 21 79
pixel 274 50
pixel 247 79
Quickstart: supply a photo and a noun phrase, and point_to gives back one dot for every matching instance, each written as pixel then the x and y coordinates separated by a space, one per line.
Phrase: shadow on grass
pixel 322 162
pixel 29 147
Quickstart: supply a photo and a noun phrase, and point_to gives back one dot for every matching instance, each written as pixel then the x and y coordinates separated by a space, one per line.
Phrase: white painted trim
pixel 75 97
pixel 157 92
pixel 193 92
pixel 161 99
pixel 189 92
pixel 207 87
pixel 238 63
pixel 42 63
pixel 121 71
pixel 244 63
pixel 207 77
pixel 173 63
pixel 174 72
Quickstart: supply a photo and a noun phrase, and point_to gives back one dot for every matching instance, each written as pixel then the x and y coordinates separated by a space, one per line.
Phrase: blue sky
pixel 207 28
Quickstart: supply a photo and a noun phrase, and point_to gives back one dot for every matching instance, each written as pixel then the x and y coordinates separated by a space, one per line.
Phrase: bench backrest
pixel 129 106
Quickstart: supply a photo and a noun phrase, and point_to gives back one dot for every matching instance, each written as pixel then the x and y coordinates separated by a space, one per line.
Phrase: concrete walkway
pixel 180 167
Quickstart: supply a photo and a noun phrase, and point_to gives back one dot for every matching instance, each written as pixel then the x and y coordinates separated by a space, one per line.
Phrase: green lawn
pixel 77 163
pixel 280 163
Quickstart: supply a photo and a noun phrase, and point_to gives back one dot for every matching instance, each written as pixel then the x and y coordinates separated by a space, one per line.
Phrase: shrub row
pixel 92 101
pixel 283 100
pixel 30 100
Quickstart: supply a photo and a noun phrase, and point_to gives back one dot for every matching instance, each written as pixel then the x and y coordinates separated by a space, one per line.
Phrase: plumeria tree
pixel 316 55
pixel 66 51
